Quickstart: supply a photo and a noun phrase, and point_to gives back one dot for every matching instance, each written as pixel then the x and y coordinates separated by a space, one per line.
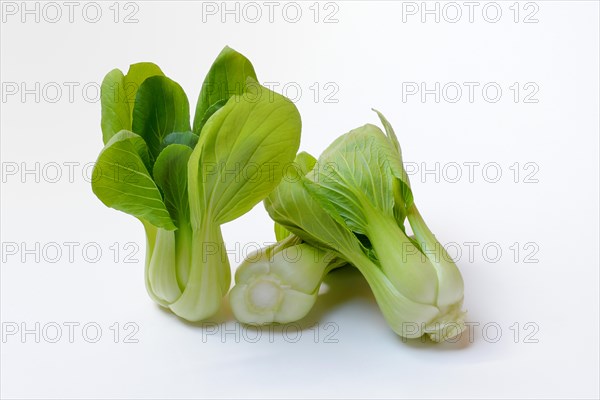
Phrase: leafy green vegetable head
pixel 183 184
pixel 355 202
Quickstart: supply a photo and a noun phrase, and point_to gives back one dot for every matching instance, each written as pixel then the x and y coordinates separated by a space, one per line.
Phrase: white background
pixel 369 55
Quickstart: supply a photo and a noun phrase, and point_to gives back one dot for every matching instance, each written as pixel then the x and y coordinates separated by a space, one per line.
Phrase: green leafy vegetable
pixel 183 187
pixel 354 202
pixel 183 181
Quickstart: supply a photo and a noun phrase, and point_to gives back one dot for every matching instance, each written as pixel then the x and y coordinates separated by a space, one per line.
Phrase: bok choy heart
pixel 182 181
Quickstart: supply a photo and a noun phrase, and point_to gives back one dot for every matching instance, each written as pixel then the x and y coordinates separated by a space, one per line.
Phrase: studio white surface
pixel 365 58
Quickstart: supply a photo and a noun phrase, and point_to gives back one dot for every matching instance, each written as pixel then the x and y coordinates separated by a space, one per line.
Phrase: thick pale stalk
pixel 151 235
pixel 183 253
pixel 411 274
pixel 280 283
pixel 406 317
pixel 451 286
pixel 209 277
pixel 161 268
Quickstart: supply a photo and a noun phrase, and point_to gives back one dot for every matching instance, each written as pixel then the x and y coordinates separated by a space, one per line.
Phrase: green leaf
pixel 226 78
pixel 390 133
pixel 170 174
pixel 211 110
pixel 136 75
pixel 121 180
pixel 353 175
pixel 292 206
pixel 280 232
pixel 115 111
pixel 117 95
pixel 305 163
pixel 402 192
pixel 186 138
pixel 161 107
pixel 242 155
